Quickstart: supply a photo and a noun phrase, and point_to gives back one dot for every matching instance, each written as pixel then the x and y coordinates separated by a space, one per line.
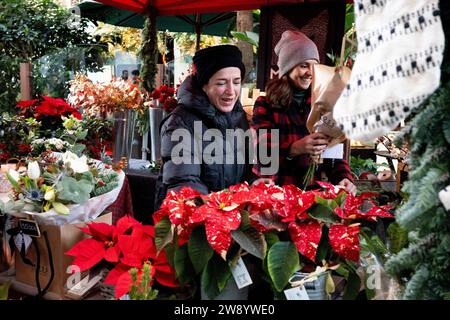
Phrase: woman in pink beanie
pixel 286 107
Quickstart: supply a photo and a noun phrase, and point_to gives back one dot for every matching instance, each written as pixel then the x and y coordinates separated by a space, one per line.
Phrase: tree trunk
pixel 244 22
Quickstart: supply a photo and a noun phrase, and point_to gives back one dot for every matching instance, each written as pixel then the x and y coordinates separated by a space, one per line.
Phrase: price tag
pixel 296 293
pixel 29 227
pixel 241 275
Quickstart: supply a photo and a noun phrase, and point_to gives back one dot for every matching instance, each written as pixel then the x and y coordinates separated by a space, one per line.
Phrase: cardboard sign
pixel 61 238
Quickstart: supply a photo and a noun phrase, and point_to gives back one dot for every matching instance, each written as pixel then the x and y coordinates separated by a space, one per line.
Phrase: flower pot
pixel 156 115
pixel 230 292
pixel 123 134
pixel 315 289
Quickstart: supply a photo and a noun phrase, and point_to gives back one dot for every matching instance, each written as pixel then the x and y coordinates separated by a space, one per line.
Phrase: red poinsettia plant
pixel 123 246
pixel 45 106
pixel 49 112
pixel 163 97
pixel 288 228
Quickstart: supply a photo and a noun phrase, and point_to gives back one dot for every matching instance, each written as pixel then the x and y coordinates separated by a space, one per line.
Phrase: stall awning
pixel 183 7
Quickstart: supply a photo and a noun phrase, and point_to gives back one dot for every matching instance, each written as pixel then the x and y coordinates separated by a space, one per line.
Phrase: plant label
pixel 241 275
pixel 296 293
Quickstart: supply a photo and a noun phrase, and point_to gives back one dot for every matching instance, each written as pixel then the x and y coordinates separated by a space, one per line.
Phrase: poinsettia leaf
pixel 269 220
pixel 199 249
pixel 87 252
pixel 340 198
pixel 123 285
pixel 324 248
pixel 251 240
pixel 271 238
pixel 115 273
pixel 132 260
pixel 166 277
pixel 219 239
pixel 124 224
pixel 306 237
pixel 323 213
pixel 170 253
pixel 183 266
pixel 215 277
pixel 164 231
pixel 112 254
pixel 326 202
pixel 345 241
pixel 352 287
pixel 101 231
pixel 376 212
pixel 282 262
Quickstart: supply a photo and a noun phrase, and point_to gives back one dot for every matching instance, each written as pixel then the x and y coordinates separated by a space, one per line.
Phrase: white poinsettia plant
pixel 55 181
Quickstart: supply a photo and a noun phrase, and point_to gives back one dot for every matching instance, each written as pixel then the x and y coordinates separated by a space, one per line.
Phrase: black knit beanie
pixel 210 60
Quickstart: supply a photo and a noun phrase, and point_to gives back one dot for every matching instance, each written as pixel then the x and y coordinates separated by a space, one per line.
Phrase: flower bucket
pixel 123 134
pixel 316 289
pixel 156 115
pixel 230 292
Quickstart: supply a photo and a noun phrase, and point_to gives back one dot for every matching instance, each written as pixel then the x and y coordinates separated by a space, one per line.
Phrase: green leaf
pixel 78 149
pixel 215 276
pixel 352 288
pixel 247 36
pixel 73 191
pixel 183 266
pixel 282 262
pixel 170 254
pixel 324 249
pixel 13 182
pixel 323 213
pixel 200 252
pixel 271 238
pixel 251 240
pixel 164 231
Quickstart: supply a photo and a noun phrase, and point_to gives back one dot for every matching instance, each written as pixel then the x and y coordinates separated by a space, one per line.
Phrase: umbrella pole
pixel 198 31
pixel 149 50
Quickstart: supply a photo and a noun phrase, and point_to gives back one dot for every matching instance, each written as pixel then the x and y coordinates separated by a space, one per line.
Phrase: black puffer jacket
pixel 193 105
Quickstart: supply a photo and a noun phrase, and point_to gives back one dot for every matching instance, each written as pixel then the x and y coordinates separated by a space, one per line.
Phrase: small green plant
pixel 359 165
pixel 142 290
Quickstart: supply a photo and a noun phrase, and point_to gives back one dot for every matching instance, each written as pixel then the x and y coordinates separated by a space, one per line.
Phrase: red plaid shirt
pixel 292 127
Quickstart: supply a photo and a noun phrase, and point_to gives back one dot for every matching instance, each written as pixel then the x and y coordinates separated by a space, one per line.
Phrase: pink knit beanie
pixel 293 48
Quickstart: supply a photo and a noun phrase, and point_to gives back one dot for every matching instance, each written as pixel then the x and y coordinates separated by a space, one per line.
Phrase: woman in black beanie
pixel 194 147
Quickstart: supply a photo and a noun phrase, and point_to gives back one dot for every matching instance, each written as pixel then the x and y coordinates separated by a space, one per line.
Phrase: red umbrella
pixel 181 7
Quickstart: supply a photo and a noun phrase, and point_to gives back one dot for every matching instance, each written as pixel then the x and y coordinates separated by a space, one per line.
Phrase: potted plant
pixel 287 228
pixel 128 251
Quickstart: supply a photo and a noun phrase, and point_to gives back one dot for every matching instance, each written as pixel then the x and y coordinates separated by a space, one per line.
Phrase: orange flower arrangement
pixel 104 98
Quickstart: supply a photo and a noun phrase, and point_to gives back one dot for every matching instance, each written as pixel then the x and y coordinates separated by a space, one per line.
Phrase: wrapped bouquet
pixel 63 188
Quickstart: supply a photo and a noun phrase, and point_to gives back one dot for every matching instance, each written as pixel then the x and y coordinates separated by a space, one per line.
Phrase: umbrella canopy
pixel 177 7
pixel 215 24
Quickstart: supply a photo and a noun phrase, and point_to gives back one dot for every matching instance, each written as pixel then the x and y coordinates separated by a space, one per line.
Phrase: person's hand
pixel 264 180
pixel 313 144
pixel 348 186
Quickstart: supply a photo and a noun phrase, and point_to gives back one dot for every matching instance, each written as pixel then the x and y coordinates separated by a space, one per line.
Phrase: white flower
pixel 78 165
pixel 33 170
